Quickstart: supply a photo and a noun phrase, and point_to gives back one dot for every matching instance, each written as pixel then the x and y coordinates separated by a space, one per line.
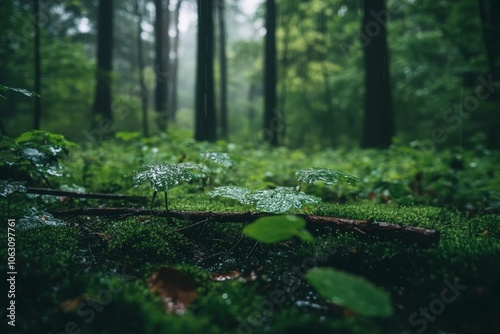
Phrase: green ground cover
pixel 91 273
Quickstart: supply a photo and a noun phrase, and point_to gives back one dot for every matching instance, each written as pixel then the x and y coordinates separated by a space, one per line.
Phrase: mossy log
pixel 363 227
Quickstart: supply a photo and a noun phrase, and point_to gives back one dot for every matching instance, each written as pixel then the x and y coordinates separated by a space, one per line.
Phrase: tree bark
pixel 363 227
pixel 271 114
pixel 160 68
pixel 175 65
pixel 378 126
pixel 223 70
pixel 140 63
pixel 102 103
pixel 490 20
pixel 205 119
pixel 38 74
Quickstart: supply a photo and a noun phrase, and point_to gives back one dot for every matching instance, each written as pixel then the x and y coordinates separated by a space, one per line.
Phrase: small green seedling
pixel 327 176
pixel 283 199
pixel 212 163
pixel 163 176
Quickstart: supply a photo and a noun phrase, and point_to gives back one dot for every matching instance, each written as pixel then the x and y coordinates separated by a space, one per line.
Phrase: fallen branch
pixel 55 192
pixel 364 227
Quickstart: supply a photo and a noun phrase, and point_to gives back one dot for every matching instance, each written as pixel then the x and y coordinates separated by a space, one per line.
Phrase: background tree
pixel 174 69
pixel 205 119
pixel 160 67
pixel 102 103
pixel 490 21
pixel 140 63
pixel 223 69
pixel 270 77
pixel 38 74
pixel 378 123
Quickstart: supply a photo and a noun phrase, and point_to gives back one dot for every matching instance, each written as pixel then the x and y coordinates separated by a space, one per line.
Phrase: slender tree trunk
pixel 166 54
pixel 490 20
pixel 271 120
pixel 175 64
pixel 205 119
pixel 103 117
pixel 223 70
pixel 378 126
pixel 140 63
pixel 253 92
pixel 38 74
pixel 160 68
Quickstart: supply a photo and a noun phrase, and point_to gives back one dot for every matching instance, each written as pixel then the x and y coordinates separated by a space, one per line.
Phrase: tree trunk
pixel 223 70
pixel 160 68
pixel 175 65
pixel 166 55
pixel 490 21
pixel 140 63
pixel 38 74
pixel 205 120
pixel 378 127
pixel 271 120
pixel 103 117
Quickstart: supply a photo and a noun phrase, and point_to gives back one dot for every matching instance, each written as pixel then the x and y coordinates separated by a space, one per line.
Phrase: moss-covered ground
pixel 89 274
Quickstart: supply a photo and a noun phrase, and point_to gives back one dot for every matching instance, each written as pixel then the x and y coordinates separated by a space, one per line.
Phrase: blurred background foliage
pixel 436 55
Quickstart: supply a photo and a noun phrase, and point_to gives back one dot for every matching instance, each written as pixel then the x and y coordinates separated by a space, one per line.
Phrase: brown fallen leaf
pixel 69 305
pixel 103 236
pixel 221 277
pixel 176 289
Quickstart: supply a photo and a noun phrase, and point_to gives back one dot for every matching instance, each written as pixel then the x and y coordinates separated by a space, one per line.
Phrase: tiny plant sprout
pixel 162 176
pixel 327 176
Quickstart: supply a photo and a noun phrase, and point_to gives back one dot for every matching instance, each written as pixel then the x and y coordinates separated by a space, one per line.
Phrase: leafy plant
pixel 327 176
pixel 34 152
pixel 351 291
pixel 239 194
pixel 162 176
pixel 281 199
pixel 23 91
pixel 278 200
pixel 278 228
pixel 211 163
pixel 7 188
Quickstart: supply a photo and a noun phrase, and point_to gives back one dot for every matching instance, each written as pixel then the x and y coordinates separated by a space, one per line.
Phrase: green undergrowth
pixel 91 273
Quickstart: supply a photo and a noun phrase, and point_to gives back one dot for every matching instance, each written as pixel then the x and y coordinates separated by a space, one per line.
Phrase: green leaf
pixel 351 291
pixel 327 176
pixel 51 143
pixel 219 158
pixel 128 136
pixel 237 193
pixel 26 92
pixel 278 228
pixel 43 162
pixel 162 175
pixel 7 188
pixel 281 199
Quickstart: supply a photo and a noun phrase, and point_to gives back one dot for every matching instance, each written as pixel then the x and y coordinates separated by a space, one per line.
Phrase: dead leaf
pixel 103 236
pixel 176 289
pixel 69 305
pixel 221 277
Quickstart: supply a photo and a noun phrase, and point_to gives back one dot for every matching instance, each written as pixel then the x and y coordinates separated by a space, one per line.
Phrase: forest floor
pixel 102 273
